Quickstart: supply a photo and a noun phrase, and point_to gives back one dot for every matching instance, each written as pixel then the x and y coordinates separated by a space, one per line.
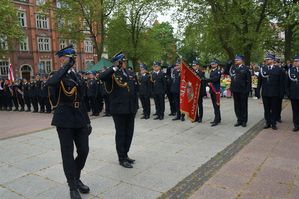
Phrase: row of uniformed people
pixel 30 93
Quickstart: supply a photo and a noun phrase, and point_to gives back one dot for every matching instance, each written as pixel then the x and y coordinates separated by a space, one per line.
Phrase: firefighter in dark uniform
pixel 34 92
pixel 214 84
pixel 292 91
pixel 92 89
pixel 120 85
pixel 20 93
pixel 15 96
pixel 240 87
pixel 26 92
pixel 201 74
pixel 282 94
pixel 271 81
pixel 169 95
pixel 159 88
pixel 7 95
pixel 145 91
pixel 175 90
pixel 105 96
pixel 71 120
pixel 99 93
pixel 45 106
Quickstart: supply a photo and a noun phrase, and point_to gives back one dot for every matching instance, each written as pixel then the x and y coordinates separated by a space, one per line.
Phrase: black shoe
pixel 199 120
pixel 237 124
pixel 22 109
pixel 296 129
pixel 155 114
pixel 75 194
pixel 215 124
pixel 28 110
pixel 106 115
pixel 9 109
pixel 156 118
pixel 212 122
pixel 274 127
pixel 131 161
pixel 35 111
pixel 143 117
pixel 267 126
pixel 244 125
pixel 82 187
pixel 182 119
pixel 146 117
pixel 176 118
pixel 280 121
pixel 171 114
pixel 161 117
pixel 42 111
pixel 126 164
pixel 16 109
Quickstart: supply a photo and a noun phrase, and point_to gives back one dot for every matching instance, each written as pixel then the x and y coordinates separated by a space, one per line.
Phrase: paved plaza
pixel 166 152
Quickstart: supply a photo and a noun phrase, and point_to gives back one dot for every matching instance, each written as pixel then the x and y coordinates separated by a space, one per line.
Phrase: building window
pixel 62 43
pixel 40 2
pixel 3 67
pixel 24 45
pixel 44 44
pixel 88 46
pixel 22 18
pixel 42 21
pixel 44 66
pixel 3 43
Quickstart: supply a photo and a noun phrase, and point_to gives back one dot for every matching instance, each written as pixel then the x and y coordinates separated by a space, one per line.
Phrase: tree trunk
pixel 247 54
pixel 288 43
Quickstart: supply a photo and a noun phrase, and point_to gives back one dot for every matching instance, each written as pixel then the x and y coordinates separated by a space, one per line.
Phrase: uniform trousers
pixel 124 126
pixel 217 114
pixel 241 106
pixel 271 109
pixel 146 104
pixel 160 104
pixel 295 108
pixel 72 166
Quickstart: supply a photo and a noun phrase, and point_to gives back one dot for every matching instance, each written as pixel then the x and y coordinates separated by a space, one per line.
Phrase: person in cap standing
pixel 277 62
pixel 292 91
pixel 214 84
pixel 159 88
pixel 240 87
pixel 92 89
pixel 175 90
pixel 120 86
pixel 145 91
pixel 71 120
pixel 201 74
pixel 271 81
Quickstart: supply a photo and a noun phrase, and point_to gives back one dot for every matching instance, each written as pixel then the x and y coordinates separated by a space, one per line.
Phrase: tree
pixel 150 46
pixel 11 30
pixel 287 15
pixel 139 14
pixel 77 19
pixel 238 26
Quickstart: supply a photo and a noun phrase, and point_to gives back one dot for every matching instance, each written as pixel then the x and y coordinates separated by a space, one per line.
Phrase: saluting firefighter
pixel 71 120
pixel 120 85
pixel 145 91
pixel 159 89
pixel 214 84
pixel 240 87
pixel 271 81
pixel 293 91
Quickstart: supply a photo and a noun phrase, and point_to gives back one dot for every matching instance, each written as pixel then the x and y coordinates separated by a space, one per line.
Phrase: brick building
pixel 36 53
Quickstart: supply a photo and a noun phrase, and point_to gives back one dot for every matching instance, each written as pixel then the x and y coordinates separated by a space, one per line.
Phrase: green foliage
pixel 224 28
pixel 10 30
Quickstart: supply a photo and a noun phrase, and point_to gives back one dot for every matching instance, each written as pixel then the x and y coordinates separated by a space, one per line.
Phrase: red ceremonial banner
pixel 189 92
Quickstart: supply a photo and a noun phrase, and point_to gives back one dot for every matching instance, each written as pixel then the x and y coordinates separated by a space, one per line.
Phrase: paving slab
pixel 165 151
pixel 267 167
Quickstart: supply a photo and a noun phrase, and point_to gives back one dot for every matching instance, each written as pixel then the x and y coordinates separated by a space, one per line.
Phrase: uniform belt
pixel 72 104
